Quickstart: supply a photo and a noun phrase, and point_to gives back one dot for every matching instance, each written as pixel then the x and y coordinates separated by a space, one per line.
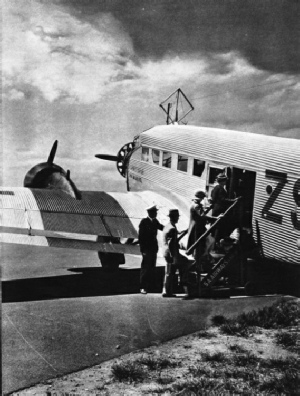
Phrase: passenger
pixel 220 203
pixel 197 227
pixel 149 247
pixel 174 260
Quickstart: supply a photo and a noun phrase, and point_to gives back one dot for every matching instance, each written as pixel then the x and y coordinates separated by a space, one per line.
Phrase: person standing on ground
pixel 174 260
pixel 149 247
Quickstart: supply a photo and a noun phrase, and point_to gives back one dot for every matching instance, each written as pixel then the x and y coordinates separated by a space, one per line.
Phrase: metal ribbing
pixel 58 201
pixel 105 203
pixel 35 219
pixel 241 149
pixel 181 183
pixel 120 227
pixel 24 240
pixel 17 198
pixel 278 240
pixel 14 218
pixel 133 205
pixel 74 223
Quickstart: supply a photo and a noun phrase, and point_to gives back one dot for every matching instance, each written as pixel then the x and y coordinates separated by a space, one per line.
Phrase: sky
pixel 91 74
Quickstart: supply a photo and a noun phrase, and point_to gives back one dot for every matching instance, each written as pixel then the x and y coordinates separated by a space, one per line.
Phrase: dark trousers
pixel 171 268
pixel 147 274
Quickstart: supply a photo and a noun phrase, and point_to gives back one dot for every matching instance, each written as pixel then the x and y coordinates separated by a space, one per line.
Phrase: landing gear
pixel 110 261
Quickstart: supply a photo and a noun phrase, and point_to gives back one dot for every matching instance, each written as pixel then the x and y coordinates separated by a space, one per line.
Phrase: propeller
pixel 121 158
pixel 47 174
pixel 52 153
pixel 107 157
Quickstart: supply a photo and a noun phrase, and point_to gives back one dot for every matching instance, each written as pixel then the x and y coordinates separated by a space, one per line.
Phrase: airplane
pixel 164 165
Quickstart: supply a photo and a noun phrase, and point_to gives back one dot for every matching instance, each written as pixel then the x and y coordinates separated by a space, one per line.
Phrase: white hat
pixel 152 208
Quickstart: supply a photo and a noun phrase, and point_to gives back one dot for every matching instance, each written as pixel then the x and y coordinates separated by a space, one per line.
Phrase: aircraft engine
pixel 121 158
pixel 51 176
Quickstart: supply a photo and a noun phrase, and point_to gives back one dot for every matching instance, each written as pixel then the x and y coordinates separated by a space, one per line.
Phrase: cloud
pixel 60 56
pixel 92 60
pixel 266 33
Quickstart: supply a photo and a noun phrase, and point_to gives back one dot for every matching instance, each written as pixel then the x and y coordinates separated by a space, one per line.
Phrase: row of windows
pixel 164 158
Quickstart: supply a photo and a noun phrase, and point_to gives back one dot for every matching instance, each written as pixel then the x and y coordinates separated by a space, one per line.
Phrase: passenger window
pixel 167 159
pixel 145 154
pixel 155 156
pixel 182 163
pixel 198 168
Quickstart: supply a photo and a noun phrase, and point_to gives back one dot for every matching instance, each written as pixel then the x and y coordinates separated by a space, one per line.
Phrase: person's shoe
pixel 187 297
pixel 143 291
pixel 168 295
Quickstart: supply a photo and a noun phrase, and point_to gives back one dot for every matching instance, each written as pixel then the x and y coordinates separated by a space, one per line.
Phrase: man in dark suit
pixel 149 247
pixel 219 196
pixel 220 203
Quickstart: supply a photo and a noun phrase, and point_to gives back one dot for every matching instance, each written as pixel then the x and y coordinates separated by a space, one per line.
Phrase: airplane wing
pixel 100 221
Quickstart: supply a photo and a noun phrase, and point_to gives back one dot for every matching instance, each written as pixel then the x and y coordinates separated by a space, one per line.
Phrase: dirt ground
pixel 177 367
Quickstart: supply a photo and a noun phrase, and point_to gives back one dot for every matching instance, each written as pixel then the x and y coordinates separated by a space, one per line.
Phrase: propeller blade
pixel 52 153
pixel 107 157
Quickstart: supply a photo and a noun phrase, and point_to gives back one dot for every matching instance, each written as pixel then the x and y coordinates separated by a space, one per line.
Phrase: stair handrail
pixel 195 244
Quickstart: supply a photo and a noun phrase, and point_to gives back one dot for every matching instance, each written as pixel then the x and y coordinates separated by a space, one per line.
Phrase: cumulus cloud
pixel 60 56
pixel 79 60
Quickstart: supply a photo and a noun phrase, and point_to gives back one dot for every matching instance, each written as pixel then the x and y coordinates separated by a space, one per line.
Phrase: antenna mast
pixel 171 107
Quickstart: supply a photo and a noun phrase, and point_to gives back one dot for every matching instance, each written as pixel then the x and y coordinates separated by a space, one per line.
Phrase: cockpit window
pixel 145 154
pixel 167 159
pixel 155 156
pixel 198 168
pixel 182 164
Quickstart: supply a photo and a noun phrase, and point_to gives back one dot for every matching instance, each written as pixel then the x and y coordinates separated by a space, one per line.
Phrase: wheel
pixel 251 288
pixel 111 261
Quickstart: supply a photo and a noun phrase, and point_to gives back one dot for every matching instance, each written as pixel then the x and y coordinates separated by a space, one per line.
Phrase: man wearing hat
pixel 220 203
pixel 198 221
pixel 149 247
pixel 219 196
pixel 174 260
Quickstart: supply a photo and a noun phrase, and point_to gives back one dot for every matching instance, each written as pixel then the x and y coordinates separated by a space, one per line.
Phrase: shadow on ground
pixel 84 282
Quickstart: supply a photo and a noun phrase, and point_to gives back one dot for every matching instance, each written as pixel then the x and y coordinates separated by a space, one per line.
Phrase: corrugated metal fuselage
pixel 167 157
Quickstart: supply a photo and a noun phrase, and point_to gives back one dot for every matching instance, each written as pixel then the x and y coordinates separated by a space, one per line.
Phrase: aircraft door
pixel 213 172
pixel 242 184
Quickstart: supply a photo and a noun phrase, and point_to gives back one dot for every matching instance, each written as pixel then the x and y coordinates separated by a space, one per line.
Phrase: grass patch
pixel 286 339
pixel 165 380
pixel 214 357
pixel 287 384
pixel 237 348
pixel 157 363
pixel 196 386
pixel 246 359
pixel 201 370
pixel 280 364
pixel 278 315
pixel 204 334
pixel 128 372
pixel 236 329
pixel 218 320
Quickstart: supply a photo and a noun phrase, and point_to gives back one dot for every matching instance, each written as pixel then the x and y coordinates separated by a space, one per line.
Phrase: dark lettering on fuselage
pixel 137 178
pixel 296 195
pixel 281 178
pixel 137 170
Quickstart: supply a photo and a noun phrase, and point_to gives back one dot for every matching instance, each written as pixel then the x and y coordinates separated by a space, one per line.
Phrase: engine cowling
pixel 51 176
